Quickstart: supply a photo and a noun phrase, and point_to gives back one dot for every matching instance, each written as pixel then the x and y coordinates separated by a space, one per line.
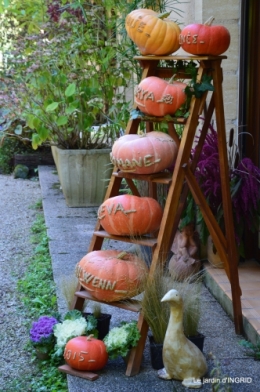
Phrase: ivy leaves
pixel 198 88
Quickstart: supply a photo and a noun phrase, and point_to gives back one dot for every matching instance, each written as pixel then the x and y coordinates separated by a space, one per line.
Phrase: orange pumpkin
pixel 85 353
pixel 144 154
pixel 205 38
pixel 111 275
pixel 130 215
pixel 152 33
pixel 158 97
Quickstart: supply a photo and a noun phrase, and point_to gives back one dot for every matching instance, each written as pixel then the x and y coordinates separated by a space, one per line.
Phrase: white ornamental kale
pixel 67 330
pixel 121 339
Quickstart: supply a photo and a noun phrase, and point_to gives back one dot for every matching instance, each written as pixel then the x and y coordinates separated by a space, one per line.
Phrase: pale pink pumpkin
pixel 144 154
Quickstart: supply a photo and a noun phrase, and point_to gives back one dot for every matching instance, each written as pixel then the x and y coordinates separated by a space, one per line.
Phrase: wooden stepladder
pixel 180 183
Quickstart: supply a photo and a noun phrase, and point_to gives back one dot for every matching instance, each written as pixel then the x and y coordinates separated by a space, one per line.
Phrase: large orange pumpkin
pixel 152 33
pixel 144 154
pixel 85 353
pixel 158 97
pixel 205 38
pixel 111 275
pixel 130 215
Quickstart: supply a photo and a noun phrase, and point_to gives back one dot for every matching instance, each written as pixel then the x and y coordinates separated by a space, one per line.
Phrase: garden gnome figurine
pixel 184 262
pixel 181 358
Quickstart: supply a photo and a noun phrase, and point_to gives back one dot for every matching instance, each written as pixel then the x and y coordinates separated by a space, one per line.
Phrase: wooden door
pixel 249 97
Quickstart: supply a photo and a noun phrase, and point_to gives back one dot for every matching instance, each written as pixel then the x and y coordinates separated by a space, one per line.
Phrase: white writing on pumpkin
pixel 112 209
pixel 68 353
pixel 145 95
pixel 131 22
pixel 189 39
pixel 95 281
pixel 130 165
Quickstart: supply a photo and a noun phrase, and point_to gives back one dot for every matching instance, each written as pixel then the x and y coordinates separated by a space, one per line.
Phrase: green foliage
pixel 121 339
pixel 157 313
pixel 9 147
pixel 216 373
pixel 37 288
pixel 71 75
pixel 252 350
pixel 67 65
pixel 37 291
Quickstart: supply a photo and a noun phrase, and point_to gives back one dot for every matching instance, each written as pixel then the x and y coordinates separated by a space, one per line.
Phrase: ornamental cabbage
pixel 121 339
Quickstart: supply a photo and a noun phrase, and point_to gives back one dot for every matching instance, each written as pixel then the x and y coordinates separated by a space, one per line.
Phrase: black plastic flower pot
pixel 198 340
pixel 103 324
pixel 156 354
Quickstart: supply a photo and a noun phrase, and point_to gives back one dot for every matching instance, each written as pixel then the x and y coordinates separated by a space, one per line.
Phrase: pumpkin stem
pixel 209 21
pixel 163 15
pixel 172 78
pixel 121 255
pixel 89 337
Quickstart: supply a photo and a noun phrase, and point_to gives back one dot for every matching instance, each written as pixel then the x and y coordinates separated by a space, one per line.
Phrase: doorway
pixel 249 98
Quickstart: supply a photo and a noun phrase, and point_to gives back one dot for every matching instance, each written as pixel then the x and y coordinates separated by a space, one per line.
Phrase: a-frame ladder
pixel 180 183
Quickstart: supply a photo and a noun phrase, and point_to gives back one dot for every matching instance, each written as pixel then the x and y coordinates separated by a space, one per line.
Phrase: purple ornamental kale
pixel 41 332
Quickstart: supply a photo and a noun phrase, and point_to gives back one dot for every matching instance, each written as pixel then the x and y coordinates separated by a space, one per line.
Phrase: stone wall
pixel 226 13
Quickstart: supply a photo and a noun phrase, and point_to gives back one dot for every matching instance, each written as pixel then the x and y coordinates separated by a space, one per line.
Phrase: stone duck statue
pixel 181 358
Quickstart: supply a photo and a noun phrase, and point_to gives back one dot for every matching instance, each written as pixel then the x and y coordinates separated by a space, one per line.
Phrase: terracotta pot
pixel 41 356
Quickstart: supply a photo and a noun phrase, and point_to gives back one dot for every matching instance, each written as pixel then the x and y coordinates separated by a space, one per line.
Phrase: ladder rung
pixel 166 119
pixel 129 304
pixel 142 240
pixel 160 178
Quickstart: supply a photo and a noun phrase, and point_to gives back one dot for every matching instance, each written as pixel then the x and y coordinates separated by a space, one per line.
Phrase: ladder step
pixel 160 178
pixel 166 119
pixel 142 240
pixel 129 304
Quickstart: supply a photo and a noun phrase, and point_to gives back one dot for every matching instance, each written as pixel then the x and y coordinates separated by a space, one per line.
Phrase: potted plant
pixel 68 87
pixel 157 313
pixel 103 320
pixel 121 339
pixel 244 189
pixel 42 336
pixel 68 286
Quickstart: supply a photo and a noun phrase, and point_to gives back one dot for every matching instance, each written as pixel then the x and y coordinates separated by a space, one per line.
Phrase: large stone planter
pixel 84 175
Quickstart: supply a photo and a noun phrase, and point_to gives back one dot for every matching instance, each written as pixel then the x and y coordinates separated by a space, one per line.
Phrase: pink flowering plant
pixel 42 333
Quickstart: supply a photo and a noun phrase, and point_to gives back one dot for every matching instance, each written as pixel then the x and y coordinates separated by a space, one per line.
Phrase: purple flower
pixel 244 185
pixel 41 332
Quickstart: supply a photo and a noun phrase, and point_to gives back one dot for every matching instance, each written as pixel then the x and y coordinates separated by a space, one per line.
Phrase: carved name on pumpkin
pixel 68 353
pixel 131 165
pixel 112 209
pixel 189 39
pixel 97 282
pixel 131 22
pixel 86 277
pixel 145 95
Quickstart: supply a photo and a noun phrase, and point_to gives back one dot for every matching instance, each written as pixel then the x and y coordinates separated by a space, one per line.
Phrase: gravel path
pixel 16 217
